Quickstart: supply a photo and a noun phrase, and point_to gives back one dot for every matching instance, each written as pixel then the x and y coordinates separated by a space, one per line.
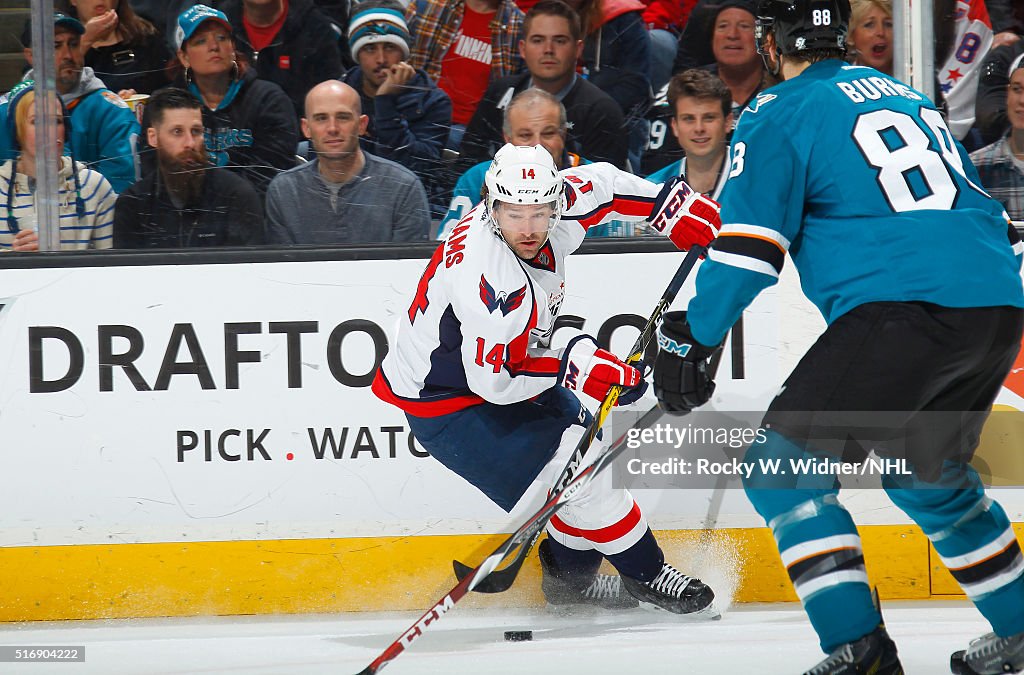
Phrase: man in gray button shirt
pixel 345 195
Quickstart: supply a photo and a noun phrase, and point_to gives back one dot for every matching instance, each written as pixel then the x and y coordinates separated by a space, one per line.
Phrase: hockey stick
pixel 718 491
pixel 526 532
pixel 501 580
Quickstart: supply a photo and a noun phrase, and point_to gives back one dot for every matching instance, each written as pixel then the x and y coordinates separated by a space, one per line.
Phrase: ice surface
pixel 749 639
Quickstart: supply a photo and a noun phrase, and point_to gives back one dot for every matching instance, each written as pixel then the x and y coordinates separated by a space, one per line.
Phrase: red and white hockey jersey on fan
pixel 958 76
pixel 479 326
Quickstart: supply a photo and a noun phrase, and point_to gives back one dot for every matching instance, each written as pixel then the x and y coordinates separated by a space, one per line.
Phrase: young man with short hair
pixel 701 121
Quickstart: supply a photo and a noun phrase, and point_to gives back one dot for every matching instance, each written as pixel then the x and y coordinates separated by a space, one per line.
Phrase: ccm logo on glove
pixel 676 198
pixel 686 217
pixel 669 345
pixel 595 371
pixel 571 373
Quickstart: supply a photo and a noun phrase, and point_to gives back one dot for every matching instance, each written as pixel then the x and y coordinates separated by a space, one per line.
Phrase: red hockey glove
pixel 685 216
pixel 594 371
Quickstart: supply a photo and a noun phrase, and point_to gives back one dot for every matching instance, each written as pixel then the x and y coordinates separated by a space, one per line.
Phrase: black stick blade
pixel 497 581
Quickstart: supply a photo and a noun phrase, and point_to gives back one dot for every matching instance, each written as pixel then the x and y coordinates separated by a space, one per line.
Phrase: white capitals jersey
pixel 479 325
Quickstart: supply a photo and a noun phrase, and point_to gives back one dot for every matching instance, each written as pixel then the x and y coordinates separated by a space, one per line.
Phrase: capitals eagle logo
pixel 506 302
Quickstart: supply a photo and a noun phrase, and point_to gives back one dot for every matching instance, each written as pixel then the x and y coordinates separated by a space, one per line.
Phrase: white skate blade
pixel 583 609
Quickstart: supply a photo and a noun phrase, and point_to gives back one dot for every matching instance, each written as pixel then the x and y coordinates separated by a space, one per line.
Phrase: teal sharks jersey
pixel 857 177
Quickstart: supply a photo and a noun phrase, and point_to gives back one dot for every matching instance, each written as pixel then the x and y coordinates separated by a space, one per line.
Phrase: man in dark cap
pixel 103 128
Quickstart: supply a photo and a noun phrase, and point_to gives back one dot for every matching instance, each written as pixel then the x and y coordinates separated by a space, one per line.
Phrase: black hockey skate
pixel 564 590
pixel 989 655
pixel 673 591
pixel 873 654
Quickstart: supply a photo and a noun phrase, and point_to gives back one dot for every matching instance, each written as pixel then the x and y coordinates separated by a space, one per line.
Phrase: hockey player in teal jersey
pixel 916 271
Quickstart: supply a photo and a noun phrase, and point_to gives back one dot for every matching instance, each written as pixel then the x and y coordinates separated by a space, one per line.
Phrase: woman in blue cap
pixel 250 123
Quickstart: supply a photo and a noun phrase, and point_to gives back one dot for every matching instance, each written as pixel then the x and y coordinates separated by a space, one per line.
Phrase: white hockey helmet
pixel 523 175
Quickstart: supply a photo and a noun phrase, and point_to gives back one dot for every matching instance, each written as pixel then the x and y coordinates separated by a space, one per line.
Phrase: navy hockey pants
pixel 501 449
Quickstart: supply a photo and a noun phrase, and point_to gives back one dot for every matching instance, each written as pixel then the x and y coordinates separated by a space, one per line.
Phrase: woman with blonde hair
pixel 870 41
pixel 85 200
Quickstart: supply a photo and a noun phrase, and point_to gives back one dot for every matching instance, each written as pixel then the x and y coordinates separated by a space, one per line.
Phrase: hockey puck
pixel 518 635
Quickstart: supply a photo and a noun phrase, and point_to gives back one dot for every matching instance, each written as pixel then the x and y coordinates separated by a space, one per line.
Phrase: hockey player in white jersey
pixel 486 395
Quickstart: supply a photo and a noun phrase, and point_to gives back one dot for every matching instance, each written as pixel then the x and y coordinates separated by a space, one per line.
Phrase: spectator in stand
pixel 728 35
pixel 250 123
pixel 164 15
pixel 1007 21
pixel 126 51
pixel 616 45
pixel 345 195
pixel 1001 165
pixel 703 117
pixel 84 197
pixel 464 45
pixel 103 129
pixel 992 121
pixel 963 36
pixel 664 20
pixel 617 58
pixel 408 115
pixel 533 117
pixel 182 204
pixel 339 12
pixel 288 42
pixel 735 61
pixel 869 42
pixel 693 49
pixel 551 46
pixel 990 102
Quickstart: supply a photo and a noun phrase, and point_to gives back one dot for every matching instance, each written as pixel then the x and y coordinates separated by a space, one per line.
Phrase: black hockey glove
pixel 681 380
